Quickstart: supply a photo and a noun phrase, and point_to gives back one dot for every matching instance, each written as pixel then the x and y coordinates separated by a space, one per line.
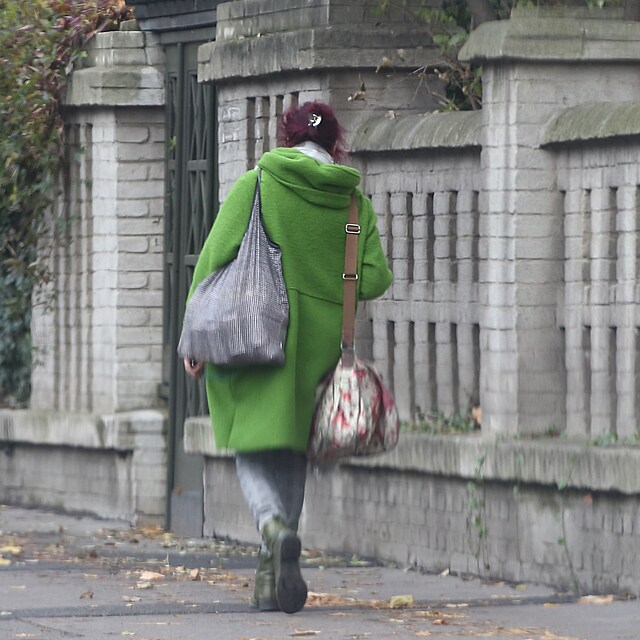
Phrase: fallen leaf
pixel 548 605
pixel 194 574
pixel 87 595
pixel 144 585
pixel 549 635
pixel 423 634
pixel 11 550
pixel 326 599
pixel 304 632
pixel 440 621
pixel 384 64
pixel 596 599
pixel 4 562
pixel 150 576
pixel 399 602
pixel 131 598
pixel 151 531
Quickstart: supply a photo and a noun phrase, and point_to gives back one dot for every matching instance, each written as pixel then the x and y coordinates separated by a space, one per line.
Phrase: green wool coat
pixel 305 208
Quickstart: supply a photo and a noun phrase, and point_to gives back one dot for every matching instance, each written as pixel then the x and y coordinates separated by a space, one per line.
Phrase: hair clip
pixel 314 120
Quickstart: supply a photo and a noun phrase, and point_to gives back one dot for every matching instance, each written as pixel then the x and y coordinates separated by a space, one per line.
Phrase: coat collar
pixel 315 151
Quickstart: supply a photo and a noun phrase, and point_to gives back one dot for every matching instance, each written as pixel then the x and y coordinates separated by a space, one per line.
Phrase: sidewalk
pixel 79 577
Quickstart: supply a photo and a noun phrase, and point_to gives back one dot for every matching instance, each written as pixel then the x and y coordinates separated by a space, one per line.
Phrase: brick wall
pixel 598 309
pixel 113 466
pixel 425 329
pixel 512 234
pixel 466 504
pixel 100 346
pixel 95 436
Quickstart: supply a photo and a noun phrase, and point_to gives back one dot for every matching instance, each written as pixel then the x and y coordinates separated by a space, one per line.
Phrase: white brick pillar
pixel 534 65
pixel 268 56
pixel 101 344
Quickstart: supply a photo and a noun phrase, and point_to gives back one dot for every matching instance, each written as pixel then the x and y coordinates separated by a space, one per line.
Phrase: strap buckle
pixel 352 229
pixel 350 276
pixel 347 356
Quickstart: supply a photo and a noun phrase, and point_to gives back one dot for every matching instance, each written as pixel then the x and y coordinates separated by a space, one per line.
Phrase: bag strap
pixel 350 278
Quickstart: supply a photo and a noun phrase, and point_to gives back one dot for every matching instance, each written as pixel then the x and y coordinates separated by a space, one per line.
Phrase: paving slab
pixel 64 576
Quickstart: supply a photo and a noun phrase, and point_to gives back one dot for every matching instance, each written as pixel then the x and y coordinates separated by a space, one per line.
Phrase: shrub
pixel 39 42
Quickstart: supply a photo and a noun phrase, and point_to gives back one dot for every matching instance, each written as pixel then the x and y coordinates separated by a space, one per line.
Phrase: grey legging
pixel 273 484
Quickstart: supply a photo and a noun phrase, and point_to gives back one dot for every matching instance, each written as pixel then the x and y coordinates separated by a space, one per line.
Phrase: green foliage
pixel 449 27
pixel 477 531
pixel 438 422
pixel 610 438
pixel 39 42
pixel 606 439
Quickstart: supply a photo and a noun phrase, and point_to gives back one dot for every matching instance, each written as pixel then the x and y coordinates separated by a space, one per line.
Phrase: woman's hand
pixel 193 368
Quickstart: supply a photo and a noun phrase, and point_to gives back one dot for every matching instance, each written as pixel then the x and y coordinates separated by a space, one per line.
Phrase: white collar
pixel 315 151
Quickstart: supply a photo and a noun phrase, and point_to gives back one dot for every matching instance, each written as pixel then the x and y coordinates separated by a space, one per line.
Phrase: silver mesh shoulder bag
pixel 239 315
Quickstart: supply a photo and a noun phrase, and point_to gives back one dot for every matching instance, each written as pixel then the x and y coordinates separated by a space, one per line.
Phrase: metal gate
pixel 191 206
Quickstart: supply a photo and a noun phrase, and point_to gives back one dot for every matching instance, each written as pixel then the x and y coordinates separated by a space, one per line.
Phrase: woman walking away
pixel 264 413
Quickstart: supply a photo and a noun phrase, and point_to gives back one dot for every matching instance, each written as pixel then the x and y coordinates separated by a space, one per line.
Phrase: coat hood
pixel 329 185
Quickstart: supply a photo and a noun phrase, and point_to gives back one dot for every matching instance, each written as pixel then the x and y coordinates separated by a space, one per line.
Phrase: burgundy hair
pixel 295 128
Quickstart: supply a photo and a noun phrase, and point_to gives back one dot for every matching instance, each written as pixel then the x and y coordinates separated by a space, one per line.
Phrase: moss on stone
pixel 428 131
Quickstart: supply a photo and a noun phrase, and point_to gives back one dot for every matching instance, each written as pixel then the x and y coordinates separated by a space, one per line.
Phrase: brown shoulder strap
pixel 350 278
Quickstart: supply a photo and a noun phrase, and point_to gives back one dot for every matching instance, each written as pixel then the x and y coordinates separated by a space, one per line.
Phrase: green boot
pixel 264 592
pixel 285 547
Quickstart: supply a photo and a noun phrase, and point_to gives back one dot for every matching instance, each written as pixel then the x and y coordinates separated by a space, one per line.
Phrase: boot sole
pixel 291 589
